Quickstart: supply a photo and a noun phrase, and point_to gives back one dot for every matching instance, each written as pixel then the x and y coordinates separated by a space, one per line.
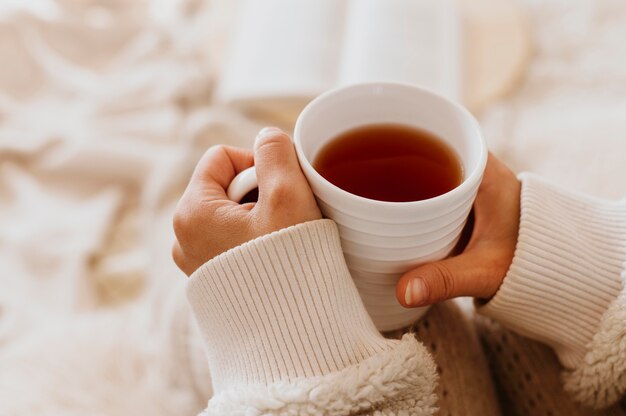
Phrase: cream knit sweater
pixel 286 333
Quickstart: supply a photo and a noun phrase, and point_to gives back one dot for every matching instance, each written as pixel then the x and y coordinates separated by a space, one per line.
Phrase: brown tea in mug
pixel 390 162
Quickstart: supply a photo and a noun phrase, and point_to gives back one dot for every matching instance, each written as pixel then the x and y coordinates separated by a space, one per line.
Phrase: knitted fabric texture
pixel 563 287
pixel 397 381
pixel 601 379
pixel 287 333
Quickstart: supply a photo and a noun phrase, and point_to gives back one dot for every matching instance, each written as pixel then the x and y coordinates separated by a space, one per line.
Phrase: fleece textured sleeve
pixel 565 286
pixel 286 333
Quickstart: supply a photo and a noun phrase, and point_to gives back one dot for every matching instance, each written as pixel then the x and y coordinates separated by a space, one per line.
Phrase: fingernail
pixel 268 130
pixel 407 293
pixel 415 291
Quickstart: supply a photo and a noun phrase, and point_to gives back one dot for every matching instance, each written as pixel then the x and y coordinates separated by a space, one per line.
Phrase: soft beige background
pixel 104 110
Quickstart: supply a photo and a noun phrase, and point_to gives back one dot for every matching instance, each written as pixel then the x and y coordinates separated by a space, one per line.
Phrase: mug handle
pixel 244 182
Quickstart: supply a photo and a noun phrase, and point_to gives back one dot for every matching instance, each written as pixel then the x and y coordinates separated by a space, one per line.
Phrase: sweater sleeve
pixel 286 333
pixel 565 286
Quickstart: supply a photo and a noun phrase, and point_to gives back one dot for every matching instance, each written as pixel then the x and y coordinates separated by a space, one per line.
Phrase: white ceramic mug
pixel 380 239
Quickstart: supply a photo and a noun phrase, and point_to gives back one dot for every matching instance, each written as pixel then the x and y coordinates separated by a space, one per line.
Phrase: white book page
pixel 413 41
pixel 283 49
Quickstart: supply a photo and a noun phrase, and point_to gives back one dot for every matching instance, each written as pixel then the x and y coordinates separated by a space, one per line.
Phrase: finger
pixel 217 168
pixel 484 202
pixel 276 163
pixel 466 235
pixel 496 207
pixel 465 275
pixel 179 257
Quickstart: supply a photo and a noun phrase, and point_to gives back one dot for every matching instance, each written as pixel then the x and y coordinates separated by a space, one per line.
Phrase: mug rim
pixel 468 182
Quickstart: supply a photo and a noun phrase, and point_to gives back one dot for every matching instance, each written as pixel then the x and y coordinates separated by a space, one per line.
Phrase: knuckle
pixel 181 223
pixel 216 148
pixel 443 283
pixel 281 194
pixel 177 256
pixel 192 212
pixel 272 138
pixel 186 220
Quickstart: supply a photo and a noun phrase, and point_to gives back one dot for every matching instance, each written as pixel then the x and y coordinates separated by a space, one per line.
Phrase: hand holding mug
pixel 481 268
pixel 207 223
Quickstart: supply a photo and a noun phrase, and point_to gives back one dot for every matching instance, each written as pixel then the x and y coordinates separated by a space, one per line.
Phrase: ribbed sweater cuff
pixel 566 270
pixel 281 307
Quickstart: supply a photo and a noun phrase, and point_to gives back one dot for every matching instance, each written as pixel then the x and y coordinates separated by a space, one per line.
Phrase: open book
pixel 286 52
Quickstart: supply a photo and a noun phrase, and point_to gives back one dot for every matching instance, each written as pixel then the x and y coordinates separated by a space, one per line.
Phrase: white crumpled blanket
pixel 104 110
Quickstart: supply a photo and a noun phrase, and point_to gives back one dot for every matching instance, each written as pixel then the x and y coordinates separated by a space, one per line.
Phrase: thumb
pixel 275 160
pixel 463 275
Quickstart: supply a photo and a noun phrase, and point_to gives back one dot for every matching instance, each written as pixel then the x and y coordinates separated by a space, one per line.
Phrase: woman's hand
pixel 207 223
pixel 480 269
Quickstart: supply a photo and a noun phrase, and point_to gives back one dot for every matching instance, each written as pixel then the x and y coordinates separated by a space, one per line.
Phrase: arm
pixel 565 287
pixel 561 281
pixel 284 328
